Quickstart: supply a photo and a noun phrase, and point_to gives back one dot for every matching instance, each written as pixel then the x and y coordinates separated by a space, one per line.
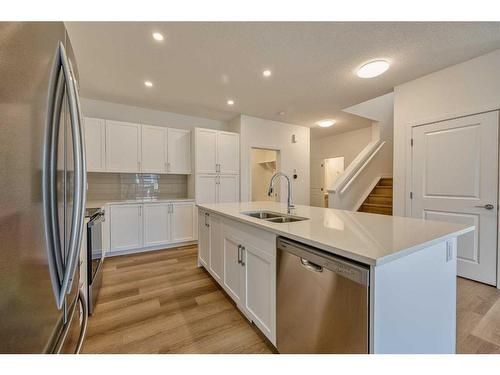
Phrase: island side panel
pixel 414 302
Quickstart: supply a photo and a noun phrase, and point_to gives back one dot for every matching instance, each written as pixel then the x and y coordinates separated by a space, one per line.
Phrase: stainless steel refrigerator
pixel 42 191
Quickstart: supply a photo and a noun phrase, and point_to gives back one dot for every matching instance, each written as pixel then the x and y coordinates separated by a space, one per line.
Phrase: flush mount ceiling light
pixel 373 68
pixel 148 83
pixel 230 102
pixel 158 36
pixel 266 73
pixel 325 123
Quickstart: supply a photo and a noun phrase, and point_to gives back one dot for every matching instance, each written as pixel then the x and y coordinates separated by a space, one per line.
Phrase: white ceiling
pixel 200 65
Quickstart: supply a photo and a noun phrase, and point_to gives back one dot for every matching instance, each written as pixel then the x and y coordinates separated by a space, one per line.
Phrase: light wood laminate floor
pixel 161 302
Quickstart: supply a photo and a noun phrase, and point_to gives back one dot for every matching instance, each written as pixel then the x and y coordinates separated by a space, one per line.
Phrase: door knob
pixel 488 206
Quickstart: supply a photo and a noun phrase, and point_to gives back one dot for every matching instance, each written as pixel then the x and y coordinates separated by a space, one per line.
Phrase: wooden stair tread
pixel 380 195
pixel 376 205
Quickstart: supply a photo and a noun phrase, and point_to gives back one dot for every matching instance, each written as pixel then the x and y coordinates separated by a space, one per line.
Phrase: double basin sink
pixel 274 217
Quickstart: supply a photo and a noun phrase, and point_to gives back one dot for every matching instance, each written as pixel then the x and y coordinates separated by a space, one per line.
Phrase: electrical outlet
pixel 449 250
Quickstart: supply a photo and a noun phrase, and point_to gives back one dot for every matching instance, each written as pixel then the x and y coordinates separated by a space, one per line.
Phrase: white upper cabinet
pixel 153 149
pixel 228 153
pixel 123 147
pixel 178 151
pixel 217 151
pixel 95 144
pixel 115 146
pixel 206 150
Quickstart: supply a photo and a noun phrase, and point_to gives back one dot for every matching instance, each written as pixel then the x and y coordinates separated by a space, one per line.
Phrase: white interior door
pixel 455 178
pixel 333 168
pixel 317 182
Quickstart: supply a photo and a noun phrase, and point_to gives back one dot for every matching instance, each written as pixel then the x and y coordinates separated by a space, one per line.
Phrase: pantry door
pixel 455 178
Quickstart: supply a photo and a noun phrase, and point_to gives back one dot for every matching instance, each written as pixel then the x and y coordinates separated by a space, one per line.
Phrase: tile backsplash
pixel 110 186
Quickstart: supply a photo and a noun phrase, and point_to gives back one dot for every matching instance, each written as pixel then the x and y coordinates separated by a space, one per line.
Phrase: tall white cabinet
pixel 217 166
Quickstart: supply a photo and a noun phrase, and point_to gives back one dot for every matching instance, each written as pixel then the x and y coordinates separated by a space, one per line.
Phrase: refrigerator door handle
pixel 49 179
pixel 83 330
pixel 79 177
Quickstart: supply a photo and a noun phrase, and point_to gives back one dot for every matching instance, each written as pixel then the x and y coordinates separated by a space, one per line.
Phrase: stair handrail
pixel 356 167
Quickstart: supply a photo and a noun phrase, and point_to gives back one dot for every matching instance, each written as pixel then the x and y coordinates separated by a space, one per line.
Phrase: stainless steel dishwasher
pixel 322 301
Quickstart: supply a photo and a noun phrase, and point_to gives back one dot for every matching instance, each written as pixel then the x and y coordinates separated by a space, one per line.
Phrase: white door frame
pixel 278 166
pixel 409 165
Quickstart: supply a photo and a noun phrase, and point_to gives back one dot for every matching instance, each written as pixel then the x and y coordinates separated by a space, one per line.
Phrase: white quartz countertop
pixel 368 238
pixel 102 203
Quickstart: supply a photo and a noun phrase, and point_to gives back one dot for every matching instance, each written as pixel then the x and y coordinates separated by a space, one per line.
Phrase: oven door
pixel 95 257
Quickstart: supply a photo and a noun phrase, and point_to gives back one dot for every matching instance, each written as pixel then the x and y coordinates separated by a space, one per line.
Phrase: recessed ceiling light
pixel 373 69
pixel 267 73
pixel 148 83
pixel 282 113
pixel 325 123
pixel 158 36
pixel 230 102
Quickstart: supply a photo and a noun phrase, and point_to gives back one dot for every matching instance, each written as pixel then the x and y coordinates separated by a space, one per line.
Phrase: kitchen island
pixel 410 263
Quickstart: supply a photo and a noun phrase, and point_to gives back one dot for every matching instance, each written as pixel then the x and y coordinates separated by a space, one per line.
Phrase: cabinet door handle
pixel 168 167
pixel 242 256
pixel 488 206
pixel 139 165
pixel 206 218
pixel 239 254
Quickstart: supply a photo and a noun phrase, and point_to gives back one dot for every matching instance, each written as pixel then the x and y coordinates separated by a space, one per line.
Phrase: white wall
pixel 121 112
pixel 348 145
pixel 470 87
pixel 256 132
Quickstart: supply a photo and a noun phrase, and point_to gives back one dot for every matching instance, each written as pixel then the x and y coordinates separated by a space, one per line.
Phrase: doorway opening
pixel 264 163
pixel 324 172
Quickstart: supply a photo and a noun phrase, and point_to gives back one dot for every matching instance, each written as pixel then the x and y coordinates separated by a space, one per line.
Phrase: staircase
pixel 380 199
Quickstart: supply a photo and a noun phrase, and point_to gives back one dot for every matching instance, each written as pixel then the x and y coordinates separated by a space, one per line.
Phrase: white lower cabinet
pixel 234 277
pixel 260 282
pixel 216 252
pixel 141 226
pixel 203 238
pixel 157 222
pixel 125 227
pixel 242 259
pixel 228 188
pixel 182 221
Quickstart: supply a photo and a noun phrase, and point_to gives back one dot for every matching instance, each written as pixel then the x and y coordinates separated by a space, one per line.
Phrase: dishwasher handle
pixel 310 265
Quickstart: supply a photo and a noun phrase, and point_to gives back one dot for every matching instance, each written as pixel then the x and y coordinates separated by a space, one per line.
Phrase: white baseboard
pixel 150 248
